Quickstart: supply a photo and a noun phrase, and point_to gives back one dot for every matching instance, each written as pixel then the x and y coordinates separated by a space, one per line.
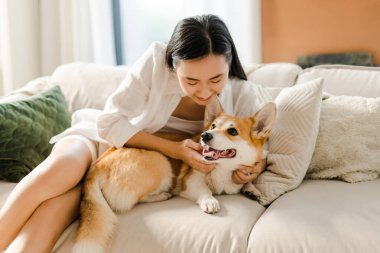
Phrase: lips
pixel 211 154
pixel 204 99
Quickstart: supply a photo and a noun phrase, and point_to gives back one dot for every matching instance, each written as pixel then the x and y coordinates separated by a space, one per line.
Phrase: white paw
pixel 209 205
pixel 165 196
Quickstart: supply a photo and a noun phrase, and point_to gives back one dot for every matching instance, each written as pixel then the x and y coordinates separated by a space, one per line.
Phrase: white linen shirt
pixel 146 99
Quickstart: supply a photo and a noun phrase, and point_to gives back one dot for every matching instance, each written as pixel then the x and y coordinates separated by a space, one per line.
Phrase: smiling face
pixel 202 79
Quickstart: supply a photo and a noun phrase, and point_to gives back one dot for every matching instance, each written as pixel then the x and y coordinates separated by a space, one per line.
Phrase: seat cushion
pixel 179 225
pixel 321 216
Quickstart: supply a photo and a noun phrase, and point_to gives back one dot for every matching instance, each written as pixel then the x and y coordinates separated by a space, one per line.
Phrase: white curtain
pixel 145 20
pixel 36 36
pixel 39 35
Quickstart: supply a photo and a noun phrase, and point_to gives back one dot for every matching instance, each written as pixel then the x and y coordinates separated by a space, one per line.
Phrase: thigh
pixel 64 168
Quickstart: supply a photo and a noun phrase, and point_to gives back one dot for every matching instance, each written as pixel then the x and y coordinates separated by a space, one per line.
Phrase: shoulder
pixel 152 59
pixel 157 49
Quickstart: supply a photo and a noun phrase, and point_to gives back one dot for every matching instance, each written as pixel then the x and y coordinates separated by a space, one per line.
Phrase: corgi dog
pixel 123 177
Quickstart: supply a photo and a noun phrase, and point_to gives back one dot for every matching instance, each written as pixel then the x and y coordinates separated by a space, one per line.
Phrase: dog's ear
pixel 213 110
pixel 264 120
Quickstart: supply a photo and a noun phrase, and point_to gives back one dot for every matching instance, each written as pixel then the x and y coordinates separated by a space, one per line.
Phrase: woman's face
pixel 204 78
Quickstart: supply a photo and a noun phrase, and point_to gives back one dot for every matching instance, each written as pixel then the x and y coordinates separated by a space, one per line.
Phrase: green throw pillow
pixel 26 127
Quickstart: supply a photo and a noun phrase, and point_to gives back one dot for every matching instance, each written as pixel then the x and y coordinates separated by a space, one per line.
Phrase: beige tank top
pixel 177 125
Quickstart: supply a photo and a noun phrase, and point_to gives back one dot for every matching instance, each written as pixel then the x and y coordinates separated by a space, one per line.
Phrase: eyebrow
pixel 193 79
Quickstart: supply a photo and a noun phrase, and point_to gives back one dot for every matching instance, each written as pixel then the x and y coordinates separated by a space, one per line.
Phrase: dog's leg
pixel 197 190
pixel 251 191
pixel 156 197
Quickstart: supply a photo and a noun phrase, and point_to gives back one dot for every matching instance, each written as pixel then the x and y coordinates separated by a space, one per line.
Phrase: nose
pixel 206 137
pixel 204 91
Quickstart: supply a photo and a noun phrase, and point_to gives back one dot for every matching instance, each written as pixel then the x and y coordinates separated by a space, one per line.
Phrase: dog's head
pixel 240 140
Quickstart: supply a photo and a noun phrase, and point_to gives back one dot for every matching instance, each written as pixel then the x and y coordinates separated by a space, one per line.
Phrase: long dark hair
pixel 199 36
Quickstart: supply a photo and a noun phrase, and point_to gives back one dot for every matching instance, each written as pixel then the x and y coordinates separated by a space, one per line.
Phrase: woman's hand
pixel 189 152
pixel 245 174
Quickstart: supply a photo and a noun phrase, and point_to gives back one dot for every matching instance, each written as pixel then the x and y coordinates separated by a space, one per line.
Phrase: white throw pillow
pixel 292 140
pixel 348 143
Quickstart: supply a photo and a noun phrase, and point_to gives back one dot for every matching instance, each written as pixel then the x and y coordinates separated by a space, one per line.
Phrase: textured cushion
pixel 348 143
pixel 26 127
pixel 321 216
pixel 178 225
pixel 292 140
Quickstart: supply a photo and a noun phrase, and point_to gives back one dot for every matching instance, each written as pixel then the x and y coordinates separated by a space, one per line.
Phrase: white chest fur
pixel 220 180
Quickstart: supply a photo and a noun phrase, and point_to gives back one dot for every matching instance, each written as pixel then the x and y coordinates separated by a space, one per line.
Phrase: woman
pixel 166 90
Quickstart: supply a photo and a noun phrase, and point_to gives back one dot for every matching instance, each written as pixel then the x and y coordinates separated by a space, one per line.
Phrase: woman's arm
pixel 186 150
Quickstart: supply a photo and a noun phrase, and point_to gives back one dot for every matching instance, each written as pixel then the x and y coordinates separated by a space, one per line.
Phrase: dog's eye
pixel 212 126
pixel 232 131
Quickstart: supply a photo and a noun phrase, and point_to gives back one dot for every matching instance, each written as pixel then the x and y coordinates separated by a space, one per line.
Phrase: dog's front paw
pixel 209 205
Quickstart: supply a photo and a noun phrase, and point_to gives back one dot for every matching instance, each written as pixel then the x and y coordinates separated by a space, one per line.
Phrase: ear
pixel 213 110
pixel 264 120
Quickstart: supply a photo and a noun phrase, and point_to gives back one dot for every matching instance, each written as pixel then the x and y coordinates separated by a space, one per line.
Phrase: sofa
pixel 319 215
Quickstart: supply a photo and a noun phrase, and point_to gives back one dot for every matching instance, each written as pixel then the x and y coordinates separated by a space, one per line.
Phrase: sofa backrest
pixel 87 85
pixel 345 80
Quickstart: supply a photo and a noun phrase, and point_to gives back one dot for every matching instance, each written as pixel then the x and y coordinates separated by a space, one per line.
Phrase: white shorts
pixel 93 146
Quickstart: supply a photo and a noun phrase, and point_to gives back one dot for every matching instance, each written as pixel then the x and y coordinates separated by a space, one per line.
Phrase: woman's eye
pixel 212 126
pixel 192 83
pixel 216 81
pixel 232 131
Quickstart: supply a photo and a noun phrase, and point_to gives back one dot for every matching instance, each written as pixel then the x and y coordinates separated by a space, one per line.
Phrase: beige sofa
pixel 318 216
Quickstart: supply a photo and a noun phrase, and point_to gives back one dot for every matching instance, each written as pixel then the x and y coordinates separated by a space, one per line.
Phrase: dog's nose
pixel 206 137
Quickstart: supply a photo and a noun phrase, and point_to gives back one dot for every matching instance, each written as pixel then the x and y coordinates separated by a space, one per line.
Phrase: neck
pixel 189 110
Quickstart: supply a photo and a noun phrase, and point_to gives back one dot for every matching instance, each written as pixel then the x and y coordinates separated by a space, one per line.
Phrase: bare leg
pixel 46 224
pixel 59 173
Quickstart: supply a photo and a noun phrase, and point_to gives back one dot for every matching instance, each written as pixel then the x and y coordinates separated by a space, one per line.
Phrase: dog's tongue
pixel 214 154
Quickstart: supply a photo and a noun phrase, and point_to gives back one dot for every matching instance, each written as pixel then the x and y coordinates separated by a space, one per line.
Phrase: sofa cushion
pixel 5 190
pixel 345 80
pixel 321 216
pixel 279 74
pixel 179 225
pixel 26 127
pixel 348 143
pixel 88 85
pixel 292 139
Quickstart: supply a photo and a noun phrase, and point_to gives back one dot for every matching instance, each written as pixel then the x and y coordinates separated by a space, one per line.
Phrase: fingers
pixel 193 145
pixel 243 177
pixel 201 165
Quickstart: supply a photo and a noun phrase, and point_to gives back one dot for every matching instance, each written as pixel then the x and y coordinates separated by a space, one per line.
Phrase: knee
pixel 59 167
pixel 70 200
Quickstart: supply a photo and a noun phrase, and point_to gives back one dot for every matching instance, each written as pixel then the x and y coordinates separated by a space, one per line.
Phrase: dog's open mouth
pixel 210 153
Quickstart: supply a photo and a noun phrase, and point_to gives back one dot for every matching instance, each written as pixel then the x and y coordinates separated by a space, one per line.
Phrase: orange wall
pixel 299 27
